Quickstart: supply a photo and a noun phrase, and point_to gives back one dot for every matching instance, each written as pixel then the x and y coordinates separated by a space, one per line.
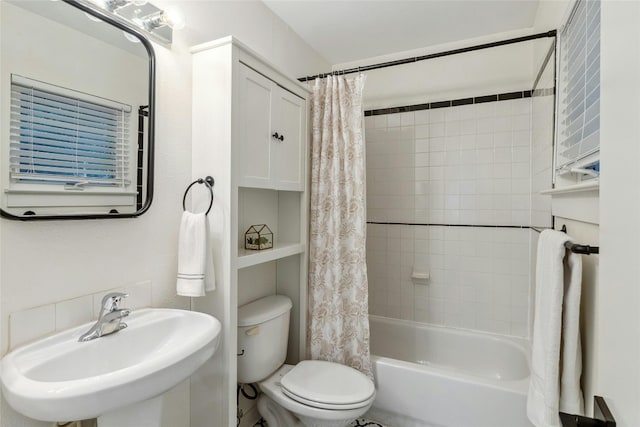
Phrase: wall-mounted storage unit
pixel 273 128
pixel 249 133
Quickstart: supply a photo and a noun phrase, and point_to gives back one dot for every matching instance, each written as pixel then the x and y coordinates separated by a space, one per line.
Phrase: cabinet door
pixel 289 151
pixel 254 124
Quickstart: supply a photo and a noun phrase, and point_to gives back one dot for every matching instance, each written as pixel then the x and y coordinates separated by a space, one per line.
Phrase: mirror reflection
pixel 77 134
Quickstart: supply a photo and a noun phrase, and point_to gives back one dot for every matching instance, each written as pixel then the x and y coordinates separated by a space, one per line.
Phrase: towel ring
pixel 208 182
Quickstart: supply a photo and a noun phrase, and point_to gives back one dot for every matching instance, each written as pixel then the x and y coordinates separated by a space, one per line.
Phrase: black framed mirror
pixel 77 95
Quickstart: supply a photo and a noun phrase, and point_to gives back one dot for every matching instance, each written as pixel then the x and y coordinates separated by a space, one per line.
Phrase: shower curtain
pixel 338 328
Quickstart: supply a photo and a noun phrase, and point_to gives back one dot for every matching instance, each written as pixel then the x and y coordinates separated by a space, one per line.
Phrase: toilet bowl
pixel 333 402
pixel 312 393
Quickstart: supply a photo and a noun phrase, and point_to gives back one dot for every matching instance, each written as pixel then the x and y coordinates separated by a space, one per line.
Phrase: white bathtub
pixel 437 376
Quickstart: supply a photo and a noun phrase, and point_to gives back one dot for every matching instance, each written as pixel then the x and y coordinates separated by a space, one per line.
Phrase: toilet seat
pixel 321 405
pixel 327 385
pixel 272 388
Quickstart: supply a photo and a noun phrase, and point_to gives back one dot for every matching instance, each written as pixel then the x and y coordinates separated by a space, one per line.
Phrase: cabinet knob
pixel 278 136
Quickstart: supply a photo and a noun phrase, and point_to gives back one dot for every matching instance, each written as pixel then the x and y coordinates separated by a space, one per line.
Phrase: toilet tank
pixel 263 332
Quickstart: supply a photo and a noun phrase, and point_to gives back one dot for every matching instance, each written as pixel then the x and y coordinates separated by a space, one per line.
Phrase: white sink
pixel 61 379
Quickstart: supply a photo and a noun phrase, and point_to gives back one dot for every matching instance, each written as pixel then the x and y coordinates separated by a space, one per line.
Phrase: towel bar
pixel 580 249
pixel 208 182
pixel 602 416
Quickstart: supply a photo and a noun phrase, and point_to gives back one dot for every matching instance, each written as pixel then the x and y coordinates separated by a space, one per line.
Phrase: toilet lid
pixel 327 385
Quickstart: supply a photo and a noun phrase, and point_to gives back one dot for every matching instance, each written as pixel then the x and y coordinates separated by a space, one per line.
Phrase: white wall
pixel 96 76
pixel 46 262
pixel 549 16
pixel 618 316
pixel 253 24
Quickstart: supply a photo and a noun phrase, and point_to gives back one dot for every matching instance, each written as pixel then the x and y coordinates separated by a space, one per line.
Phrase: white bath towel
pixel 195 262
pixel 556 362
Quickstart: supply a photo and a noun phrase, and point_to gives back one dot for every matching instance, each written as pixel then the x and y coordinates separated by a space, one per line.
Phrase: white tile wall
pixel 542 131
pixel 34 323
pixel 460 165
pixel 479 277
pixel 73 312
pixel 541 159
pixel 27 325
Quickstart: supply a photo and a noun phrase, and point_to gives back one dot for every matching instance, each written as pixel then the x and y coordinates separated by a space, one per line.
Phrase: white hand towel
pixel 195 262
pixel 556 362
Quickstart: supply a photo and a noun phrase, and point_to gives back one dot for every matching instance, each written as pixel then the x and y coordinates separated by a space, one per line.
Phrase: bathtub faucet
pixel 110 318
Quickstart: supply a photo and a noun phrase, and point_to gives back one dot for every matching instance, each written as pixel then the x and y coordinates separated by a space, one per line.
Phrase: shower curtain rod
pixel 551 33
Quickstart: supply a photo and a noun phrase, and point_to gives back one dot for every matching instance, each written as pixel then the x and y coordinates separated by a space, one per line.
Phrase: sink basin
pixel 61 379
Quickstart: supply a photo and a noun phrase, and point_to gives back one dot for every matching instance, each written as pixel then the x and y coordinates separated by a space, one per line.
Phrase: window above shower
pixel 576 170
pixel 578 117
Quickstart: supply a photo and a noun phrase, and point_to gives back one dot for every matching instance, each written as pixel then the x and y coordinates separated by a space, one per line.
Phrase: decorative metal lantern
pixel 258 237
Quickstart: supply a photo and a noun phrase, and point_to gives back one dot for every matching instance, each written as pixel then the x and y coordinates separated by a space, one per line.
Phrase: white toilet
pixel 312 393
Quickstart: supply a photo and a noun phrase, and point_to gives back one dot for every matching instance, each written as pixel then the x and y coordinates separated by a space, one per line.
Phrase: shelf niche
pixel 281 211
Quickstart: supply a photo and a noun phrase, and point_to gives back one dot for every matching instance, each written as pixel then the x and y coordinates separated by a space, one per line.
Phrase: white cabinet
pixel 272 131
pixel 239 103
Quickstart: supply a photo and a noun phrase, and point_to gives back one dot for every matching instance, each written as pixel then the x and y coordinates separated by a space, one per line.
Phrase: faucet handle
pixel 111 301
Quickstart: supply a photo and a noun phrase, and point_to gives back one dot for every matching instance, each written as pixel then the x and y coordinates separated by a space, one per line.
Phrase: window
pixel 70 144
pixel 579 89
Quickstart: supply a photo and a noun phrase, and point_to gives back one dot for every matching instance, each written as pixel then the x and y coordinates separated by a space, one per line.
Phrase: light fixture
pixel 111 5
pixel 170 17
pixel 157 23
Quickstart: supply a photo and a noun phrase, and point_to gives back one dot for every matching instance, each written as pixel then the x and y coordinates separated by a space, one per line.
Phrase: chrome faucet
pixel 110 318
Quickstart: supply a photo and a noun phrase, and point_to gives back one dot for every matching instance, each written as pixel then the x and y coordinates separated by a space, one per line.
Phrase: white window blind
pixel 64 137
pixel 579 87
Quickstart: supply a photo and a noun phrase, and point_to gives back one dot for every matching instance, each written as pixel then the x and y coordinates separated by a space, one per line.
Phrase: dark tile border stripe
pixel 441 104
pixel 464 101
pixel 510 95
pixel 451 103
pixel 486 98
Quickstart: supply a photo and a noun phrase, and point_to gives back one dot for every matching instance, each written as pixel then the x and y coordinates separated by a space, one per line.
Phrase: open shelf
pixel 247 258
